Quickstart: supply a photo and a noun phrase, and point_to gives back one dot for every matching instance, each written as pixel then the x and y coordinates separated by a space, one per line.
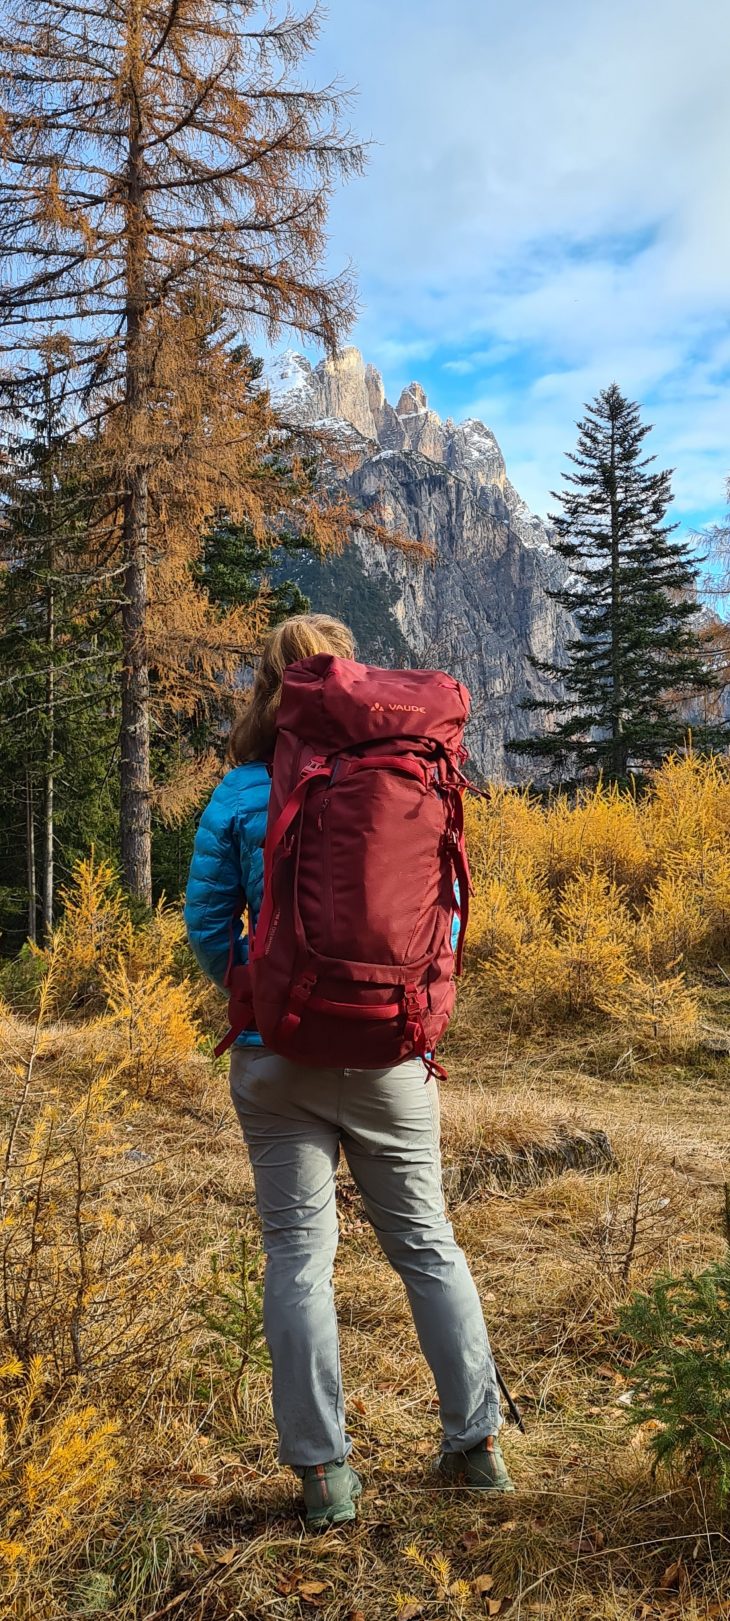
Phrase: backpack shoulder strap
pixel 276 833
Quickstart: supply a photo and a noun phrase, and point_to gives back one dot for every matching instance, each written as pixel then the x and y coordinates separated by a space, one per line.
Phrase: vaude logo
pixel 406 709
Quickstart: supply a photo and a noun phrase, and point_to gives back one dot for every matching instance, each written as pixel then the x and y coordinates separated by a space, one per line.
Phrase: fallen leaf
pixel 356 1615
pixel 508 1525
pixel 671 1577
pixel 590 1539
pixel 309 1590
pixel 494 1606
pixel 483 1584
pixel 410 1610
pixel 200 1480
pixel 471 1540
pixel 358 1404
pixel 197 1549
pixel 228 1557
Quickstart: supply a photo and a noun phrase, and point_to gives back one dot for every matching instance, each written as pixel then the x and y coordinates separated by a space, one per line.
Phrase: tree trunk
pixel 135 734
pixel 47 898
pixel 30 856
pixel 618 745
pixel 136 822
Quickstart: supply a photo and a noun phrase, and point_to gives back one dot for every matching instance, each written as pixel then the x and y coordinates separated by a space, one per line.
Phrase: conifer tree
pixel 157 156
pixel 636 660
pixel 56 656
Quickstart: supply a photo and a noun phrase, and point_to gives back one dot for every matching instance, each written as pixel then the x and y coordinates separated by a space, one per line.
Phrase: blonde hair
pixel 252 735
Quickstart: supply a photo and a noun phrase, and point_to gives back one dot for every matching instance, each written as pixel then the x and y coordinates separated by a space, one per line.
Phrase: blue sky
pixel 546 210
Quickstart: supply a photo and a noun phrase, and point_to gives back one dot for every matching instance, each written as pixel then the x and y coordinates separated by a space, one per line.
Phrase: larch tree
pixel 636 666
pixel 164 185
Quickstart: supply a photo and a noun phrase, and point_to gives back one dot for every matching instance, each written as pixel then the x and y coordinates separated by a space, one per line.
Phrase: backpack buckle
pixel 414 1003
pixel 302 991
pixel 298 998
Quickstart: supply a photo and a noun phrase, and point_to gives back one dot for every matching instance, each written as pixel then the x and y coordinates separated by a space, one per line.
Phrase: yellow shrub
pixel 572 897
pixel 153 1018
pixel 506 912
pixel 58 1471
pixel 95 928
pixel 674 923
pixel 689 805
pixel 595 935
pixel 158 943
pixel 502 829
pixel 526 978
pixel 602 831
pixel 88 1275
pixel 655 1013
pixel 562 970
pixel 717 901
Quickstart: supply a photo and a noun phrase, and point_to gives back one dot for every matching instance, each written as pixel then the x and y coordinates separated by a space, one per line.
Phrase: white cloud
pixel 548 181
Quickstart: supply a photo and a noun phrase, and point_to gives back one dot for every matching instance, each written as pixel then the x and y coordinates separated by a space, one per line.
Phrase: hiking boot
pixel 481 1469
pixel 331 1491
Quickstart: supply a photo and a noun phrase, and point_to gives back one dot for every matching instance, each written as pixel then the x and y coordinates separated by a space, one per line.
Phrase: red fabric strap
pixel 316 768
pixel 457 850
pixel 356 1010
pixel 300 995
pixel 389 762
pixel 277 832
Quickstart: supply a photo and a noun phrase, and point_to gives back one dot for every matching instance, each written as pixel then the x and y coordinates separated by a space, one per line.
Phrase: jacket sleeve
pixel 226 872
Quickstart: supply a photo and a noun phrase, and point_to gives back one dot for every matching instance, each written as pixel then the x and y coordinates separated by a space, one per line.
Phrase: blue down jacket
pixel 227 872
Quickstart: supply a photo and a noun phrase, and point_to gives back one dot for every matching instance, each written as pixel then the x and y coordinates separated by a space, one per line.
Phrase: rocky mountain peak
pixel 412 401
pixel 482 609
pixel 344 389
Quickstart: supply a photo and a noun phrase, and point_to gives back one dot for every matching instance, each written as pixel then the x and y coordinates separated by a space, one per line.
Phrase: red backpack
pixel 352 960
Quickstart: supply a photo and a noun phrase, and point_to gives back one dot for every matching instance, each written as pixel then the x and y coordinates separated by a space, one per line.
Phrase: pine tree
pixel 158 156
pixel 636 661
pixel 58 728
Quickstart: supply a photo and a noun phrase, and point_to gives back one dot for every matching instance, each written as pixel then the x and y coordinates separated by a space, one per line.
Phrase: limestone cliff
pixel 481 608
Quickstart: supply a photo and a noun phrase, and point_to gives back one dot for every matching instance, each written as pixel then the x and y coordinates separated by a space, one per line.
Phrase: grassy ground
pixel 202 1524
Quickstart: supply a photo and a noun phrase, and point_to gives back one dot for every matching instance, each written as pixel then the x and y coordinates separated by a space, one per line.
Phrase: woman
pixel 296 1120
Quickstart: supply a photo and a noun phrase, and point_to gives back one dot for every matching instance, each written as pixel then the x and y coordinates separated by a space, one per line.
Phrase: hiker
pixel 296 1116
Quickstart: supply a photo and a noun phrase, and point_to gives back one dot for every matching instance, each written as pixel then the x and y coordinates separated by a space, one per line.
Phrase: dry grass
pixel 138 1475
pixel 199 1522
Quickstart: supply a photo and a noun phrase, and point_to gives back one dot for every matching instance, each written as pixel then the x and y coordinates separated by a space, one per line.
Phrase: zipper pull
pixel 322 809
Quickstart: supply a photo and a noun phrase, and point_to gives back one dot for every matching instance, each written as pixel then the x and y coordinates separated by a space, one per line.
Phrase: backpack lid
pixel 336 703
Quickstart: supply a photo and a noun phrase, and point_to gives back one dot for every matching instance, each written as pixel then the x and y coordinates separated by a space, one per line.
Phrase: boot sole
pixel 462 1479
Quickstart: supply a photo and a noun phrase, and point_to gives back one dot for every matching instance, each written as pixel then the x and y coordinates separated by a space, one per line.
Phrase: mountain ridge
pixel 482 608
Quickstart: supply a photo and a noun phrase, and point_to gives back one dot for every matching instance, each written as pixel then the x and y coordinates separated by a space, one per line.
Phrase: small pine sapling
pixel 681 1330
